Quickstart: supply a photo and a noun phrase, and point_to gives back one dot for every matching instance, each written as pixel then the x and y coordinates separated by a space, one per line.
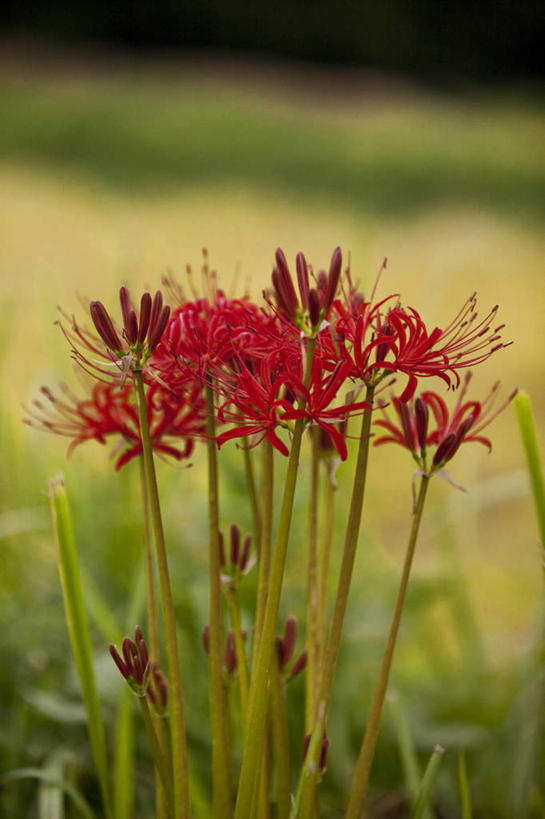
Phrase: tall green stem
pixel 265 544
pixel 312 619
pixel 367 752
pixel 162 764
pixel 177 720
pixel 281 743
pixel 325 559
pixel 310 772
pixel 153 632
pixel 252 491
pixel 234 612
pixel 222 775
pixel 254 737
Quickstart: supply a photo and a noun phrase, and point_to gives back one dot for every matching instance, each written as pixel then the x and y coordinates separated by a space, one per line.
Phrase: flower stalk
pixel 363 768
pixel 177 719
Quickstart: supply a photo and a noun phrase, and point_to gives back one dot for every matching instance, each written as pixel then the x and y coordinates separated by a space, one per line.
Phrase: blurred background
pixel 134 135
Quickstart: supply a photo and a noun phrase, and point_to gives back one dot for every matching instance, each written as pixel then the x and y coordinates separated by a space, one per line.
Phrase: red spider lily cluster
pixel 296 357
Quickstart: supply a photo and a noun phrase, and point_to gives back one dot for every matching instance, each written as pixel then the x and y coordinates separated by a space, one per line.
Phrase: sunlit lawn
pixel 110 181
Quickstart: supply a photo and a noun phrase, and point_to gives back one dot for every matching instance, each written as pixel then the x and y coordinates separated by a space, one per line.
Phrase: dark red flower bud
pixel 235 543
pixel 421 414
pixel 125 301
pixel 245 556
pixel 323 750
pixel 302 278
pixel 299 665
pixel 156 308
pixel 155 337
pixel 230 652
pixel 104 326
pixel 334 275
pixel 206 638
pixel 406 425
pixel 288 642
pixel 131 327
pixel 444 449
pixel 462 431
pixel 119 662
pixel 145 315
pixel 314 307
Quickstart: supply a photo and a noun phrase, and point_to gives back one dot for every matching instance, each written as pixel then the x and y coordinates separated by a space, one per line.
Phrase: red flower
pixel 174 420
pixel 462 425
pixel 259 403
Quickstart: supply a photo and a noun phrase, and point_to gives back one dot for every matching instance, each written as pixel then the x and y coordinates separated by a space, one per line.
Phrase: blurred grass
pixel 104 180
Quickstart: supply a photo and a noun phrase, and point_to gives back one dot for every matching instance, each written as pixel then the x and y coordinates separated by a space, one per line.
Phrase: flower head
pixel 426 422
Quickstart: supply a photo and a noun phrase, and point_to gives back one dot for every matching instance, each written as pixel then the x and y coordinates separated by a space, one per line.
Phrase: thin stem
pixel 281 744
pixel 153 631
pixel 265 544
pixel 367 752
pixel 312 619
pixel 257 707
pixel 162 765
pixel 427 781
pixel 222 780
pixel 310 773
pixel 325 559
pixel 177 720
pixel 252 491
pixel 234 612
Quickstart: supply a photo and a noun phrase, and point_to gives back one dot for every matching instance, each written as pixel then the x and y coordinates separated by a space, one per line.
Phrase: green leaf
pixel 78 629
pixel 427 781
pixel 527 427
pixel 465 796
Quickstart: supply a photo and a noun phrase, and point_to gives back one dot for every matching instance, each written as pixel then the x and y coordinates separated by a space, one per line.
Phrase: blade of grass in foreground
pixel 463 783
pixel 525 418
pixel 427 781
pixel 78 629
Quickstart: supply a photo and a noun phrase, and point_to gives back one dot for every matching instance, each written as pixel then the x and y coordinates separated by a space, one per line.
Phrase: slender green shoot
pixel 424 793
pixel 527 427
pixel 463 784
pixel 409 761
pixel 78 629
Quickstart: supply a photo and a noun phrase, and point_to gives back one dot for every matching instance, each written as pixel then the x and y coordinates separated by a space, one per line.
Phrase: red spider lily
pixel 109 411
pixel 464 424
pixel 203 335
pixel 116 351
pixel 381 339
pixel 308 313
pixel 260 403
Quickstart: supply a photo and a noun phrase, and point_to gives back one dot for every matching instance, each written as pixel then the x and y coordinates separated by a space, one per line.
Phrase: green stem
pixel 325 559
pixel 265 544
pixel 281 744
pixel 312 638
pixel 234 612
pixel 465 794
pixel 222 780
pixel 252 491
pixel 177 720
pixel 162 765
pixel 367 752
pixel 153 631
pixel 257 707
pixel 310 773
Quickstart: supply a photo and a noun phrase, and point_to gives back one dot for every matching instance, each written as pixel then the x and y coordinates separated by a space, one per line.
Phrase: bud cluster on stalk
pixel 239 560
pixel 285 647
pixel 142 333
pixel 143 675
pixel 230 654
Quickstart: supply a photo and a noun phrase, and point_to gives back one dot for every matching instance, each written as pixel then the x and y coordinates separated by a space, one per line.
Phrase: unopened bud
pixel 314 307
pixel 421 414
pixel 230 652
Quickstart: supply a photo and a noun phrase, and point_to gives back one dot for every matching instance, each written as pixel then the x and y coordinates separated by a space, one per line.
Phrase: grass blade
pixel 427 781
pixel 465 796
pixel 527 427
pixel 78 629
pixel 409 761
pixel 37 773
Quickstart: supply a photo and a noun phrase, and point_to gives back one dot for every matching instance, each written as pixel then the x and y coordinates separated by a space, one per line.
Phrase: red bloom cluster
pixel 411 429
pixel 109 410
pixel 303 356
